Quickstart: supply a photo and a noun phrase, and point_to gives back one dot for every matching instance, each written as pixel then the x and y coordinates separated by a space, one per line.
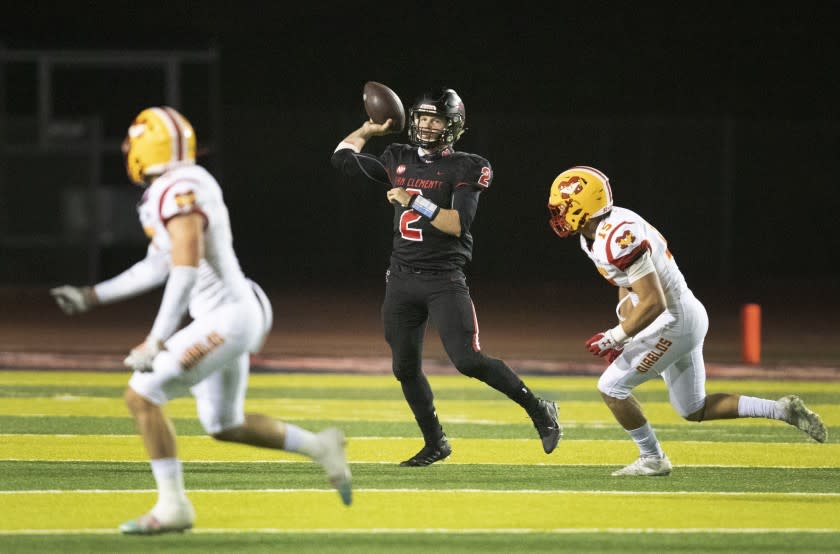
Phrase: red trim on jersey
pixel 162 197
pixel 476 345
pixel 165 220
pixel 627 260
pixel 624 261
pixel 477 185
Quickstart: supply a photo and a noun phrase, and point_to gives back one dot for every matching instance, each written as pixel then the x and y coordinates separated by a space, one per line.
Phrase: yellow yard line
pixel 433 510
pixel 287 380
pixel 450 382
pixel 115 379
pixel 450 411
pixel 466 451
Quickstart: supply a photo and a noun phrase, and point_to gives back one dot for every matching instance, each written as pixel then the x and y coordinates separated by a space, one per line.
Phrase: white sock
pixel 169 476
pixel 645 438
pixel 302 441
pixel 750 406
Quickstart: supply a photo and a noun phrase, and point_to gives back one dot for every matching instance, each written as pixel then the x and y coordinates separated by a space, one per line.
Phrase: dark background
pixel 717 121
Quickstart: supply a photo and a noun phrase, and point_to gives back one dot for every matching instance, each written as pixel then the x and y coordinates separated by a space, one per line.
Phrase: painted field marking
pixel 37 447
pixel 449 382
pixel 443 531
pixel 375 510
pixel 432 491
pixel 450 411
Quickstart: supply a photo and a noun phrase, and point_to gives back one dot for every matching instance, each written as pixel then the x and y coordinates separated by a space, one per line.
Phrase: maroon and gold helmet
pixel 577 195
pixel 158 138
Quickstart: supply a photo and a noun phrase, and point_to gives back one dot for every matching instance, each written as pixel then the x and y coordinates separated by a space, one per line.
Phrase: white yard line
pixel 437 491
pixel 428 531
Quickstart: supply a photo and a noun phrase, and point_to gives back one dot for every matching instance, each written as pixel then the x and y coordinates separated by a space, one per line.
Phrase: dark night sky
pixel 602 57
pixel 545 88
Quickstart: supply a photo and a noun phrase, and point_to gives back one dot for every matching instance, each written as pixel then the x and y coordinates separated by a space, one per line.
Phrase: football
pixel 382 103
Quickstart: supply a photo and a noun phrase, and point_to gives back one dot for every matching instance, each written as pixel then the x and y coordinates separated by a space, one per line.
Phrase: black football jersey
pixel 452 180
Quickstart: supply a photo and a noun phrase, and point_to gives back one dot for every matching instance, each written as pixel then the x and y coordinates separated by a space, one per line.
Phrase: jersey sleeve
pixel 625 244
pixel 476 174
pixel 353 163
pixel 465 200
pixel 180 198
pixel 640 267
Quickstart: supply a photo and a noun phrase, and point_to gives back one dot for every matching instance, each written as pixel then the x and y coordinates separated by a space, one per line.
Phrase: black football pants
pixel 411 298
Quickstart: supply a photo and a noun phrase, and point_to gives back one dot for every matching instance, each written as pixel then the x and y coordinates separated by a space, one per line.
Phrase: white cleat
pixel 334 462
pixel 798 415
pixel 646 466
pixel 175 520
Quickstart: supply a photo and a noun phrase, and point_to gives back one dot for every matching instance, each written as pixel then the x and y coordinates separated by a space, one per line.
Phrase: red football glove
pixel 610 343
pixel 614 353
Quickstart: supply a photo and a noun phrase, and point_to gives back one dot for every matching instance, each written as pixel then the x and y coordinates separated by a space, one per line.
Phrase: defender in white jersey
pixel 661 324
pixel 191 250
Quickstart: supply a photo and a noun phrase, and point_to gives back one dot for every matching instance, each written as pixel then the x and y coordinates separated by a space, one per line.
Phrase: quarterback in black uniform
pixel 435 192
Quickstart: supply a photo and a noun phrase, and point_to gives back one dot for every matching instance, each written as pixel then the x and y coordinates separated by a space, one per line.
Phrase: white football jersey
pixel 191 189
pixel 620 239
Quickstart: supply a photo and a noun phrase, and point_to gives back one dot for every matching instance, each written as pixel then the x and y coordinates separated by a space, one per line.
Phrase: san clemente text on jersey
pixel 414 182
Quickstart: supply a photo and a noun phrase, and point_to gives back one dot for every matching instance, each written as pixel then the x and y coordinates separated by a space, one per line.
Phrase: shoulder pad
pixel 182 196
pixel 624 244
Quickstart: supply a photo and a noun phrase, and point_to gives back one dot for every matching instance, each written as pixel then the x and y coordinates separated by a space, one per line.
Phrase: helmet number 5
pixel 407 218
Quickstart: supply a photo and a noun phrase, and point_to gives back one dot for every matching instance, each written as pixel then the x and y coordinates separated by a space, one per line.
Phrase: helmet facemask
pixel 558 220
pixel 432 139
pixel 445 104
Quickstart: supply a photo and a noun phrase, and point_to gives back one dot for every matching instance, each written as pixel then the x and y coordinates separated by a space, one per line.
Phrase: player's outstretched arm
pixel 145 275
pixel 148 273
pixel 74 300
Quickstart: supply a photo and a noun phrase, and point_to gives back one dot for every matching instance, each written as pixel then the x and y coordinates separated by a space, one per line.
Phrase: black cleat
pixel 545 420
pixel 429 454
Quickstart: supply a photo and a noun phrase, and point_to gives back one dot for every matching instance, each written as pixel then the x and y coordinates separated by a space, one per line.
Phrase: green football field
pixel 72 468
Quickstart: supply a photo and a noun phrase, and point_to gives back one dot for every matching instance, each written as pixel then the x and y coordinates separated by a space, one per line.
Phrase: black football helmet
pixel 443 103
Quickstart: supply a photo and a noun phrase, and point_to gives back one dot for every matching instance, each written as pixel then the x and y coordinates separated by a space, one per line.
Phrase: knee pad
pixel 159 386
pixel 688 408
pixel 609 386
pixel 217 423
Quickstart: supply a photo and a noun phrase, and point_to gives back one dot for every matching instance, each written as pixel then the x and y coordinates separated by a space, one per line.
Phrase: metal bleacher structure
pixel 64 197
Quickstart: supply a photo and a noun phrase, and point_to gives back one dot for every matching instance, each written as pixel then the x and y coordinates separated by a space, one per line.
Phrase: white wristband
pixel 618 334
pixel 176 298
